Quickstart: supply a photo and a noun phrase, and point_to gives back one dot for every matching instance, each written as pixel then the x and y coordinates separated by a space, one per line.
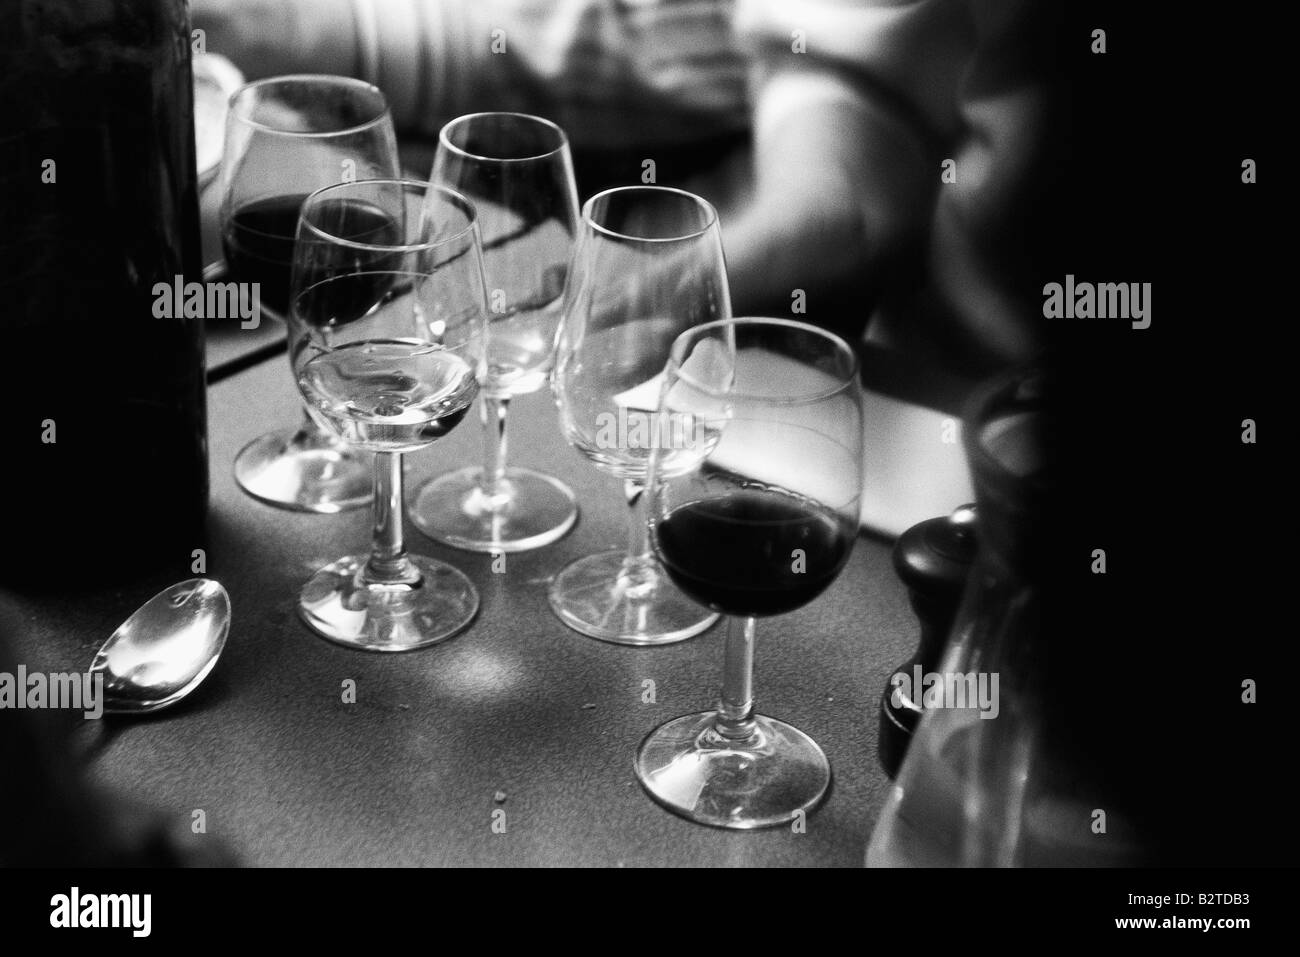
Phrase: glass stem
pixel 308 431
pixel 310 435
pixel 388 562
pixel 638 540
pixel 493 413
pixel 736 705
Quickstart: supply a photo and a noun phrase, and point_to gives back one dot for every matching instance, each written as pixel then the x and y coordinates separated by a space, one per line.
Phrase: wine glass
pixel 759 523
pixel 647 265
pixel 386 330
pixel 285 137
pixel 517 171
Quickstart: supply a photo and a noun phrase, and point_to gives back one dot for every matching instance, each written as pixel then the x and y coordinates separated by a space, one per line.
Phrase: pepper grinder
pixel 933 558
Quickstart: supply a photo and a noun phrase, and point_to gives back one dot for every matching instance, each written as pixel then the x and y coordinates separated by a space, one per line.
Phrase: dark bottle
pixel 98 203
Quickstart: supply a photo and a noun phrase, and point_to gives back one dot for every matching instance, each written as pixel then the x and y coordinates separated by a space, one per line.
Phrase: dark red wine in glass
pixel 753 552
pixel 258 243
pixel 344 283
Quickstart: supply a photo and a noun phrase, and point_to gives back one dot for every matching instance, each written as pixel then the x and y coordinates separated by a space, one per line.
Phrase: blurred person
pixel 615 74
pixel 839 189
pixel 857 108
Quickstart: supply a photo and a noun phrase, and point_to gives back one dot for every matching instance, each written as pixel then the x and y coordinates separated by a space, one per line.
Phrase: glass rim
pixel 532 118
pixel 319 78
pixel 615 234
pixel 674 367
pixel 408 185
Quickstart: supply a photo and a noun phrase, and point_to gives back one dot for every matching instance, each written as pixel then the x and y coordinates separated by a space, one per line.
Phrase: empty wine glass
pixel 517 171
pixel 287 136
pixel 759 522
pixel 386 328
pixel 647 265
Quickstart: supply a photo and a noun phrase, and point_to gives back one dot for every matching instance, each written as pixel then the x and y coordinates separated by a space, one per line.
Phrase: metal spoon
pixel 165 650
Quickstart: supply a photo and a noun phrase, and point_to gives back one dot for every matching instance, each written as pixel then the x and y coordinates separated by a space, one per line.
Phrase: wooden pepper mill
pixel 933 558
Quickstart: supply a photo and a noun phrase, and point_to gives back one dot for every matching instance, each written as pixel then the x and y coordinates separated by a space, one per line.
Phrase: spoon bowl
pixel 165 650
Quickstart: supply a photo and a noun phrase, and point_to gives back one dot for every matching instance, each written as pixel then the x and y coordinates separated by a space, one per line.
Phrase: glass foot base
pixel 339 606
pixel 532 510
pixel 298 470
pixel 764 780
pixel 601 597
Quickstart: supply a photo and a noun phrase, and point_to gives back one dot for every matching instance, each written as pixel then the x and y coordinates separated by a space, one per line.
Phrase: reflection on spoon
pixel 165 650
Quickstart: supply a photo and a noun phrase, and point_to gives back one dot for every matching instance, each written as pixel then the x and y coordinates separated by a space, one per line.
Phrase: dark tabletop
pixel 518 706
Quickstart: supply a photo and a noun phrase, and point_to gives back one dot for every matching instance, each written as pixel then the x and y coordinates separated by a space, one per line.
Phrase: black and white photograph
pixel 645 434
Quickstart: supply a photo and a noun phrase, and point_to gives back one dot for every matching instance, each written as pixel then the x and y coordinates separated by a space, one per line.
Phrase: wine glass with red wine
pixel 387 322
pixel 286 137
pixel 768 414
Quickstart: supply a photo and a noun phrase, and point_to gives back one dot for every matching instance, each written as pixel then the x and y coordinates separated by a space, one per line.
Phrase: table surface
pixel 411 773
